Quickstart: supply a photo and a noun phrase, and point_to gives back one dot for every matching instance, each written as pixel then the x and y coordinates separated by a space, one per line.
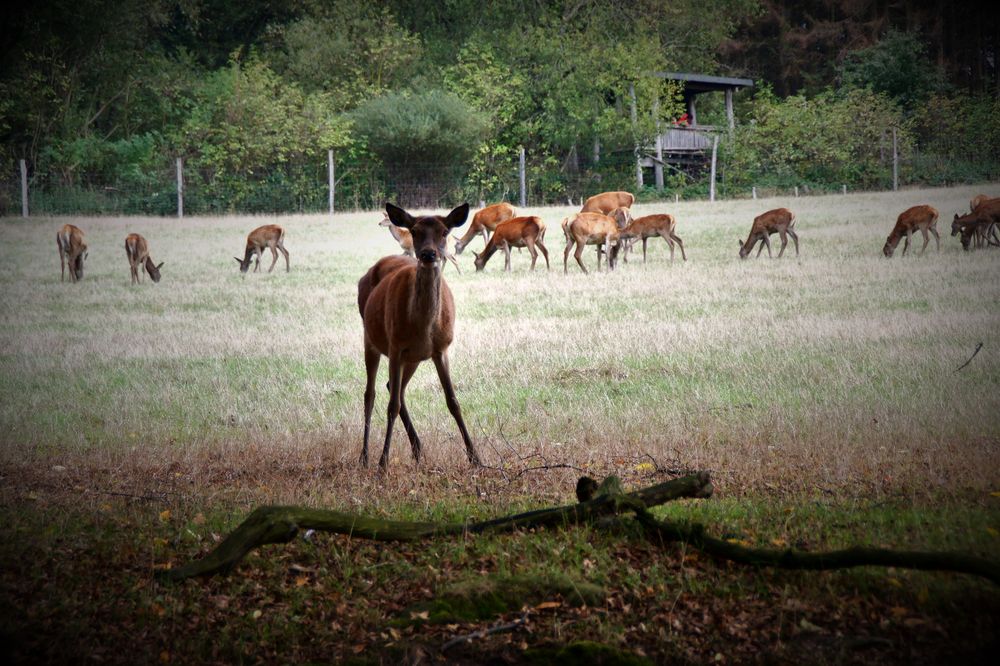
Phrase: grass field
pixel 820 391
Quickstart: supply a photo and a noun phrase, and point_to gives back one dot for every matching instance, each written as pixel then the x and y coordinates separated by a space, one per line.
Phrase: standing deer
pixel 779 221
pixel 72 252
pixel 607 202
pixel 516 232
pixel 651 226
pixel 405 240
pixel 978 200
pixel 921 217
pixel 269 235
pixel 137 251
pixel 590 229
pixel 485 222
pixel 978 228
pixel 409 316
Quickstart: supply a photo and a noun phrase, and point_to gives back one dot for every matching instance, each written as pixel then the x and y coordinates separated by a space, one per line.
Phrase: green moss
pixel 584 652
pixel 486 597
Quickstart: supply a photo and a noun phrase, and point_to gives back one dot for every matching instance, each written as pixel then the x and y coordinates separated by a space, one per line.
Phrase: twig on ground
pixel 978 347
pixel 483 633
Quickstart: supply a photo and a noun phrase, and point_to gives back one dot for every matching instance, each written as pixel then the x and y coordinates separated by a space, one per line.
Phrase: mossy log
pixel 787 558
pixel 280 524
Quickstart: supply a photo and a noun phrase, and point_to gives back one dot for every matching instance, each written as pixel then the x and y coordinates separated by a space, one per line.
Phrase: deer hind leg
pixel 927 239
pixel 670 244
pixel 62 263
pixel 795 239
pixel 444 374
pixel 372 359
pixel 784 243
pixel 404 414
pixel 937 238
pixel 281 246
pixel 545 253
pixel 274 255
pixel 680 244
pixel 506 256
pixel 532 251
pixel 395 391
pixel 578 255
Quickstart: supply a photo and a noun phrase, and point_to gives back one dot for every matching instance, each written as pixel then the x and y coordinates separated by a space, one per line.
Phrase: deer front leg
pixel 395 390
pixel 444 374
pixel 404 414
pixel 760 248
pixel 906 245
pixel 506 256
pixel 256 255
pixel 372 359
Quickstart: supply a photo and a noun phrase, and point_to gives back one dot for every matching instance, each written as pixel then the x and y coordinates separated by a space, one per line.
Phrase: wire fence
pixel 304 187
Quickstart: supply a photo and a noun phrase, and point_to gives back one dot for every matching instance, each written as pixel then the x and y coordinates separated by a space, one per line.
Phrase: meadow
pixel 138 423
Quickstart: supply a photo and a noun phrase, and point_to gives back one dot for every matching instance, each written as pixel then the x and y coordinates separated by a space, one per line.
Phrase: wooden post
pixel 658 164
pixel 331 173
pixel 180 187
pixel 796 191
pixel 844 188
pixel 24 189
pixel 638 148
pixel 753 192
pixel 524 193
pixel 715 147
pixel 677 198
pixel 730 116
pixel 895 162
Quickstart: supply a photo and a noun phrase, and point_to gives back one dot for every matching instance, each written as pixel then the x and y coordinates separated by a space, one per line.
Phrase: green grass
pixel 820 391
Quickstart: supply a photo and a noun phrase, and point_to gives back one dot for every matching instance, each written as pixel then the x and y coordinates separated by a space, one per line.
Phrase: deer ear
pixel 399 217
pixel 457 217
pixel 161 265
pixel 238 260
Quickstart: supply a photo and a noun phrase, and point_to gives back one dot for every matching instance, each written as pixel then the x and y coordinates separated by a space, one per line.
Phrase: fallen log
pixel 280 524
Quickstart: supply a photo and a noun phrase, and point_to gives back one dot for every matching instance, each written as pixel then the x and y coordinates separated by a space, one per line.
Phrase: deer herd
pixel 406 307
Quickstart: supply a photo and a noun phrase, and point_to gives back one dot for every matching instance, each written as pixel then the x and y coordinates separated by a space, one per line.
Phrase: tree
pixel 897 66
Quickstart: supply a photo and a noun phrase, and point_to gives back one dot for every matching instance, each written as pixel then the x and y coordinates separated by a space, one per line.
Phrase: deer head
pixel 430 234
pixel 153 269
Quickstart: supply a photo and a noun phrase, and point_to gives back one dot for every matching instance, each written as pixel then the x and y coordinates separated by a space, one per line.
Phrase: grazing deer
pixel 978 200
pixel 920 217
pixel 516 232
pixel 405 240
pixel 137 251
pixel 651 226
pixel 607 202
pixel 779 221
pixel 269 235
pixel 590 229
pixel 987 235
pixel 72 252
pixel 979 225
pixel 409 316
pixel 485 222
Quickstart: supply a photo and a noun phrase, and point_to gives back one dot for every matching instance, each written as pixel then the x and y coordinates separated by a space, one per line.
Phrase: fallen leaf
pixel 548 604
pixel 422 615
pixel 301 581
pixel 358 649
pixel 256 614
pixel 199 519
pixel 165 515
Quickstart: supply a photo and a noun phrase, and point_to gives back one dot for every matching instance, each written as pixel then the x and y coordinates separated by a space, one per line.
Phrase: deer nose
pixel 428 256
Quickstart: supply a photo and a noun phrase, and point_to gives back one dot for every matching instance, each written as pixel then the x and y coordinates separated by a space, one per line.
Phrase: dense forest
pixel 100 98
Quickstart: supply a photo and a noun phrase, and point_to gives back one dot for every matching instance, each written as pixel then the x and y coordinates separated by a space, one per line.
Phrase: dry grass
pixel 834 370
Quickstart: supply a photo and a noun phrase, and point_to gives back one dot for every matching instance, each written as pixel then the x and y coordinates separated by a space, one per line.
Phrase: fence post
pixel 180 187
pixel 330 172
pixel 796 191
pixel 753 192
pixel 895 162
pixel 844 189
pixel 711 187
pixel 524 193
pixel 24 189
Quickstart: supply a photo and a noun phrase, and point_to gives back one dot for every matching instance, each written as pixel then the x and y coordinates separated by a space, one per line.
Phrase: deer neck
pixel 425 300
pixel 394 230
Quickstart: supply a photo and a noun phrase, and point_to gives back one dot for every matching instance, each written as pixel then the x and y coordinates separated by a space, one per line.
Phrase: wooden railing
pixel 688 139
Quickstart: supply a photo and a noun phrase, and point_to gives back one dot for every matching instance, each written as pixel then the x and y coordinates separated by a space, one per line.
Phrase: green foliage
pixel 897 66
pixel 828 139
pixel 249 133
pixel 429 127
